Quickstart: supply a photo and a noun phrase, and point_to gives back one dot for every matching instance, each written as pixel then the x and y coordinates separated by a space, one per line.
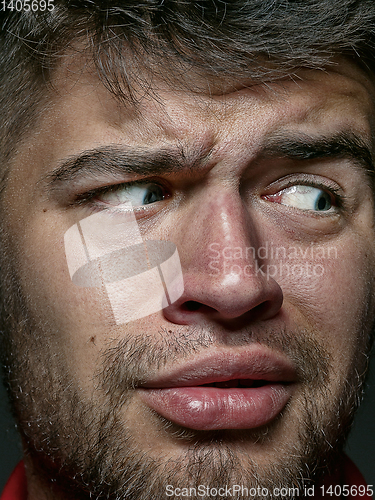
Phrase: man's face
pixel 252 374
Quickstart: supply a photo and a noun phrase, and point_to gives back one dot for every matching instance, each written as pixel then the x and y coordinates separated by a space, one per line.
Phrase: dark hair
pixel 259 39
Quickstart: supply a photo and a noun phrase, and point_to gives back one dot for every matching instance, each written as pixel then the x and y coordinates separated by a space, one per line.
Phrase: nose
pixel 224 279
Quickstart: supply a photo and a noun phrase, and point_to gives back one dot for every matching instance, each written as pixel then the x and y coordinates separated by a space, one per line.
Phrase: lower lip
pixel 212 408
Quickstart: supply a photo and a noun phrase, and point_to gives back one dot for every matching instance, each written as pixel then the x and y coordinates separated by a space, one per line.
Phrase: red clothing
pixel 347 480
pixel 16 487
pixel 348 475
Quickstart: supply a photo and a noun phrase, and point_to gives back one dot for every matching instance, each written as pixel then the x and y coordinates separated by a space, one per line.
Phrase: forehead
pixel 83 114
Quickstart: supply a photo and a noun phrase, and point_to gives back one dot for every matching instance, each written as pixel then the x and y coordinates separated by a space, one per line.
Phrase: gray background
pixel 361 445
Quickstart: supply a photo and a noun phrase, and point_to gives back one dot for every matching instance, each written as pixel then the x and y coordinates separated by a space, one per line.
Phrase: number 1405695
pixel 27 5
pixel 345 490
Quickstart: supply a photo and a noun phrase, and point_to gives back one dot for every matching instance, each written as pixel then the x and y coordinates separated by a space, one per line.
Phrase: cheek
pixel 46 281
pixel 333 290
pixel 77 321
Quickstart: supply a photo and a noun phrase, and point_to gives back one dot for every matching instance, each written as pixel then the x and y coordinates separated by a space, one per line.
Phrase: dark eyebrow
pixel 119 160
pixel 114 160
pixel 343 145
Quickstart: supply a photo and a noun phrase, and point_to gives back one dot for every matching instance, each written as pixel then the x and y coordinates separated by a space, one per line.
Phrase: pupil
pixel 323 203
pixel 153 195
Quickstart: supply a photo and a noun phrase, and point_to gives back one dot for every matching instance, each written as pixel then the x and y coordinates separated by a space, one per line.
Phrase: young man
pixel 187 261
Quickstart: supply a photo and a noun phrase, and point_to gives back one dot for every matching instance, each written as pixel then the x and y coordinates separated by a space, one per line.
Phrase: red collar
pixel 16 487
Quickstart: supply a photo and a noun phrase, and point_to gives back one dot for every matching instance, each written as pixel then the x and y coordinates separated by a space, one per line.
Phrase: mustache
pixel 129 361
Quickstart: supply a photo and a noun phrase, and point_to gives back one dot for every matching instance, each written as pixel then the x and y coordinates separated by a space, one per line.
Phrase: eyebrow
pixel 117 160
pixel 343 145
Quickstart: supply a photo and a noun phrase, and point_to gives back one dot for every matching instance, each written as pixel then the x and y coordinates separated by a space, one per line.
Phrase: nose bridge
pixel 222 229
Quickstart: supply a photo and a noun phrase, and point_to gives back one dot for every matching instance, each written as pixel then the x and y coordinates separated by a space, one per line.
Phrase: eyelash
pixel 88 197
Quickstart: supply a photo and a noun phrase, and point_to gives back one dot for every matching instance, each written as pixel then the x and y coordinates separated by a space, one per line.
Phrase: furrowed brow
pixel 117 161
pixel 303 147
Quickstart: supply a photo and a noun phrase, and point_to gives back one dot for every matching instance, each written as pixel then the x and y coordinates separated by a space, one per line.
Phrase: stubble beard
pixel 83 448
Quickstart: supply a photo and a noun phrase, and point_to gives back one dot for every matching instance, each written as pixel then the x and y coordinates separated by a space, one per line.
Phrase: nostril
pixel 191 305
pixel 232 306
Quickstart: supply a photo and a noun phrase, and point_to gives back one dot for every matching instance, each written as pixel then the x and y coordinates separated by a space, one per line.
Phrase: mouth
pixel 223 390
pixel 231 384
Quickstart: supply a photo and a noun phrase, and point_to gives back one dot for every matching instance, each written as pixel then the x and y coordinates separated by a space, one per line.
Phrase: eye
pixel 304 198
pixel 138 194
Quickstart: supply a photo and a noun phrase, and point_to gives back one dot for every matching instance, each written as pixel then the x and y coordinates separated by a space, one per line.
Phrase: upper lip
pixel 254 363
